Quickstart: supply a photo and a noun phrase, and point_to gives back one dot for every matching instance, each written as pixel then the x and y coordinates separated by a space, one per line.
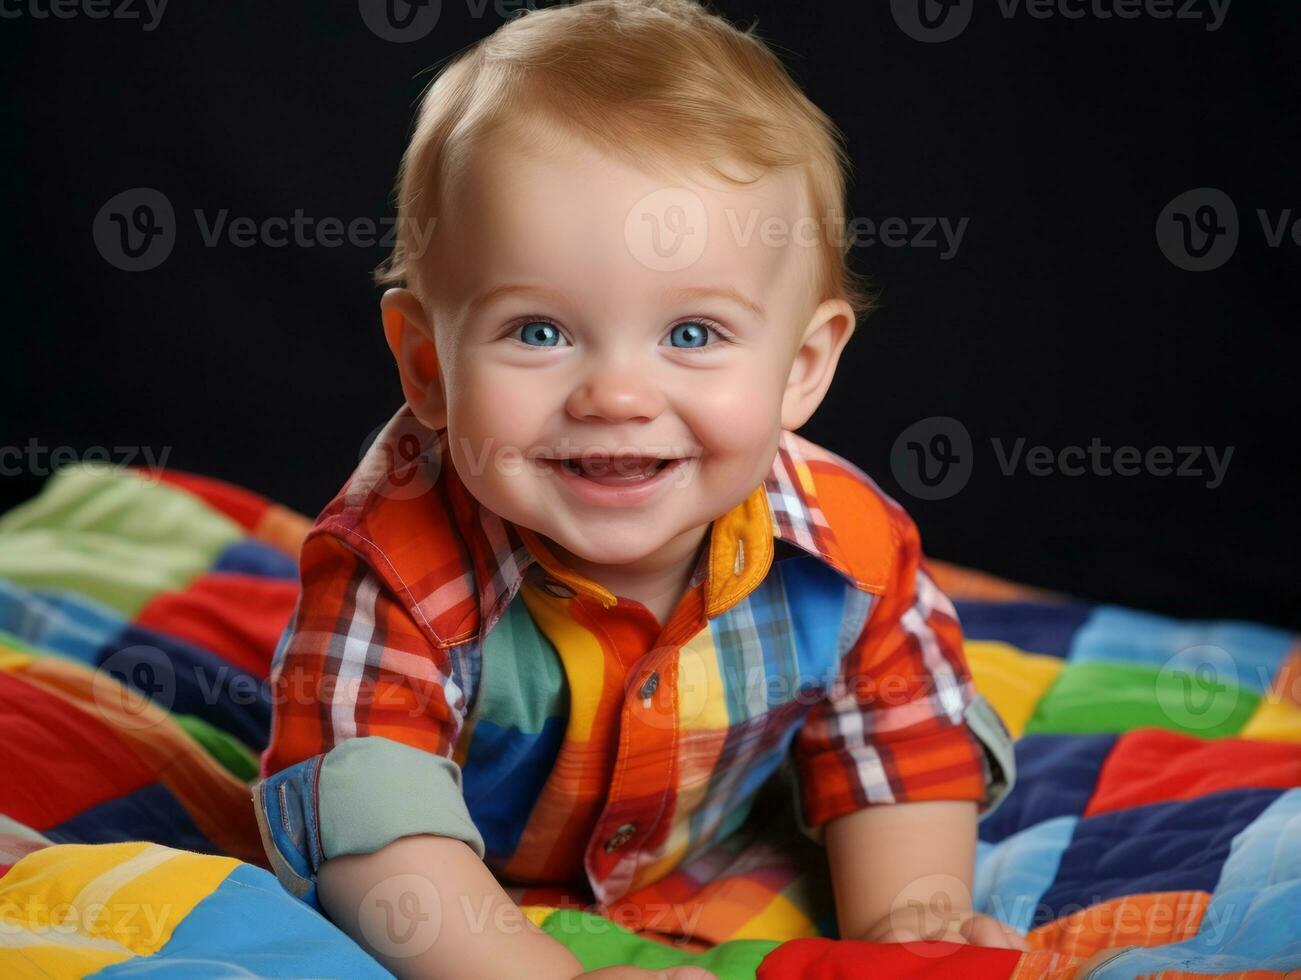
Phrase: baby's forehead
pixel 550 209
pixel 516 162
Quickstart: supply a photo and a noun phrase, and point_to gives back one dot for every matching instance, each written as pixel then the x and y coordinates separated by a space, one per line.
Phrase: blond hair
pixel 651 82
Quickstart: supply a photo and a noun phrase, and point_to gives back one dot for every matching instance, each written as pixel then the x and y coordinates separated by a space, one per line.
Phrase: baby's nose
pixel 616 395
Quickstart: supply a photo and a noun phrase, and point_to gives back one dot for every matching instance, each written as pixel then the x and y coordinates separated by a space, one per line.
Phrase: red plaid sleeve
pixel 354 663
pixel 366 713
pixel 894 727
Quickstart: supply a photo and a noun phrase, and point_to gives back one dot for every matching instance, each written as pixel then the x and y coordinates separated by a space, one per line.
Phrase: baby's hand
pixel 973 929
pixel 637 973
pixel 985 930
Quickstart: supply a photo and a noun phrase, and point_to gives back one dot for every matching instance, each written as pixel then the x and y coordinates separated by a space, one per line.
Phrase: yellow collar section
pixel 740 554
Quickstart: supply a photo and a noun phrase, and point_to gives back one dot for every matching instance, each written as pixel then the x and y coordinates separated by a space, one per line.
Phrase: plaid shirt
pixel 444 673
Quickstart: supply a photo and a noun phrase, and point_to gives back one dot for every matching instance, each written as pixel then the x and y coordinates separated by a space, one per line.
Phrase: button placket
pixel 625 826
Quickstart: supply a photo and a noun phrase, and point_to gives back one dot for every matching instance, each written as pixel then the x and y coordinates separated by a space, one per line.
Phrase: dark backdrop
pixel 1068 312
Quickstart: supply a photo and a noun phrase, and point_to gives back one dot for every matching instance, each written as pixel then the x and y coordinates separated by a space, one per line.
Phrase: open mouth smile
pixel 621 481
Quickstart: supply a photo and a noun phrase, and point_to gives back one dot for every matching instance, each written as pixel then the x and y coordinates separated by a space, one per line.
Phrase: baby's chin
pixel 636 541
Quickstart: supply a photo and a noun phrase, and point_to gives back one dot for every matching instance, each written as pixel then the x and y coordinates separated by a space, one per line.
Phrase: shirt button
pixel 652 682
pixel 557 588
pixel 621 836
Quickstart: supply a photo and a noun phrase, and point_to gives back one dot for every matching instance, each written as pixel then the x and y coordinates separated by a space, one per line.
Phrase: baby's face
pixel 575 316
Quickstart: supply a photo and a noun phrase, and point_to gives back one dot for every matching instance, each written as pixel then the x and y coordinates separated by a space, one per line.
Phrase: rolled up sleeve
pixel 366 714
pixel 902 721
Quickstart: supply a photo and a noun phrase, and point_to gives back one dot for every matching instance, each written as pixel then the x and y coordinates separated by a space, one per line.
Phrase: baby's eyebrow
pixel 511 289
pixel 725 292
pixel 560 296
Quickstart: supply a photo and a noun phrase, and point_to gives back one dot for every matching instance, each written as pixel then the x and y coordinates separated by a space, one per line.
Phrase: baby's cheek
pixel 734 422
pixel 500 412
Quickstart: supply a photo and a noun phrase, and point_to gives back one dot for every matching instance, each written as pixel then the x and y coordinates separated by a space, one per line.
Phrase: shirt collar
pixel 786 507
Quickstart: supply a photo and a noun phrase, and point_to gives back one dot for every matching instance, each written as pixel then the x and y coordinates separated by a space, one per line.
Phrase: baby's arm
pixel 903 871
pixel 480 933
pixel 892 771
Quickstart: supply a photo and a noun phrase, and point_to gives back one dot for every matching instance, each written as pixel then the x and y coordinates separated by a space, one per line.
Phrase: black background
pixel 1058 320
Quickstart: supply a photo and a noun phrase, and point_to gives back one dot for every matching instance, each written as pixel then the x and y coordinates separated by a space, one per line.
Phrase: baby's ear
pixel 411 339
pixel 814 365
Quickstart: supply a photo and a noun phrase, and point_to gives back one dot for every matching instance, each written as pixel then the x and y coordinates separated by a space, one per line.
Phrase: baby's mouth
pixel 624 471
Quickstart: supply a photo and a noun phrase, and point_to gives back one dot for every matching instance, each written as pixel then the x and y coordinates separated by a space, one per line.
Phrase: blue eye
pixel 689 334
pixel 695 333
pixel 546 334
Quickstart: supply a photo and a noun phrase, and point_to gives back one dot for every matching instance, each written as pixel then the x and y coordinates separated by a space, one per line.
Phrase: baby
pixel 588 597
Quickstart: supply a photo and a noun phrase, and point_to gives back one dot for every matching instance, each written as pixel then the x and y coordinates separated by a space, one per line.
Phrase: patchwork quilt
pixel 1154 831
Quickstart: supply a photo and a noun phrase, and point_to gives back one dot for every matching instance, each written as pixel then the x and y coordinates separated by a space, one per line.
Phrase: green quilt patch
pixel 1100 696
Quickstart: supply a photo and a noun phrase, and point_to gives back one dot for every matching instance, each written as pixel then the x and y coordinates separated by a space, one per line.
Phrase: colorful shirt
pixel 445 673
